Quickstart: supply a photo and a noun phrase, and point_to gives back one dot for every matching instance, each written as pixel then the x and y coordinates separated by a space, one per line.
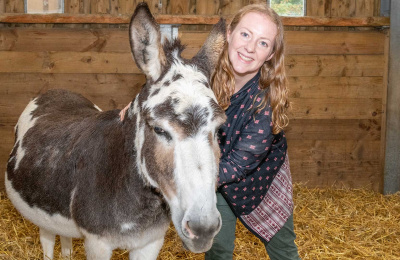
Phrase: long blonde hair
pixel 272 82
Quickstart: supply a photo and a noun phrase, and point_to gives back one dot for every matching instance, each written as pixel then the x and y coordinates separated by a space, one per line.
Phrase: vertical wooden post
pixel 315 8
pixel 2 6
pixel 86 7
pixel 392 151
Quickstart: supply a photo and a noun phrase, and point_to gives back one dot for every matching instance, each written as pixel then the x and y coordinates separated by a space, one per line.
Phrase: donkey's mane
pixel 173 46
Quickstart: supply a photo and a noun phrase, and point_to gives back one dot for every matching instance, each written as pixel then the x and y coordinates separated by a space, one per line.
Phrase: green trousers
pixel 280 247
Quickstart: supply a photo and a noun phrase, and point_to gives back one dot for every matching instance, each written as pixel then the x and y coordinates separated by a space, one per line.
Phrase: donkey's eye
pixel 161 132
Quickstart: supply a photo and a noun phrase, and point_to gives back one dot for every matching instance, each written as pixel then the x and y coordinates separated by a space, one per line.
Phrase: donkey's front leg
pixel 97 249
pixel 148 252
pixel 47 239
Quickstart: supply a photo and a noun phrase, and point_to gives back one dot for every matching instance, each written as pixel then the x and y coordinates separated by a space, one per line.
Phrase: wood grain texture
pixel 113 62
pixel 336 75
pixel 16 17
pixel 116 40
pixel 334 129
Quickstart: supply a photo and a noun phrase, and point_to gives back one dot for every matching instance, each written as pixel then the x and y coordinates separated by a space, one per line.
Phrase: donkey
pixel 76 171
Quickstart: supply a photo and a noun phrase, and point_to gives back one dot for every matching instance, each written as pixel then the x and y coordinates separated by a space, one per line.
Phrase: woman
pixel 254 178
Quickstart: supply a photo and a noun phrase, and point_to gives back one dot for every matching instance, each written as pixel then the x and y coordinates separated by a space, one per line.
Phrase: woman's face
pixel 251 43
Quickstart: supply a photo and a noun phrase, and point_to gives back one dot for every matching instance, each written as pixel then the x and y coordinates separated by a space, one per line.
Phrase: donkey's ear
pixel 212 47
pixel 145 40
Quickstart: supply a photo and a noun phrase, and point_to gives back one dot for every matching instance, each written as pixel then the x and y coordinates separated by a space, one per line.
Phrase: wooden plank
pixel 326 163
pixel 155 7
pixel 112 62
pixel 100 7
pixel 334 42
pixel 333 150
pixel 334 65
pixel 15 6
pixel 178 7
pixel 230 7
pixel 67 62
pixel 64 39
pixel 334 129
pixel 339 174
pixel 365 8
pixel 336 87
pixel 86 7
pixel 375 21
pixel 325 108
pixel 343 8
pixel 108 91
pixel 315 8
pixel 2 6
pixel 116 40
pixel 328 8
pixel 207 7
pixel 377 8
pixel 72 6
pixel 123 6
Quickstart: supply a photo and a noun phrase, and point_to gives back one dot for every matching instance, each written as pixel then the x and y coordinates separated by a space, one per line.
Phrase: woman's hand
pixel 123 111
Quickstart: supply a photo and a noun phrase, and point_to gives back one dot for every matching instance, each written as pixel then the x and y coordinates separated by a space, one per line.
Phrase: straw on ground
pixel 329 223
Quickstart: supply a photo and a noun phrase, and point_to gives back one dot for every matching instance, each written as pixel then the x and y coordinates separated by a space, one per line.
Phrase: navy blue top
pixel 251 155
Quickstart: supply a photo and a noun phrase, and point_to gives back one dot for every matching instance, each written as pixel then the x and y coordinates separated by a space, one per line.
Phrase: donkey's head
pixel 177 121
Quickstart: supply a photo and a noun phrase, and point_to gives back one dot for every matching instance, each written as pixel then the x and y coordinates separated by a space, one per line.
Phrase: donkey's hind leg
pixel 66 247
pixel 47 239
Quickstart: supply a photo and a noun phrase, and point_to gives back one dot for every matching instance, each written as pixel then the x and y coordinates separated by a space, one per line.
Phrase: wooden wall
pixel 343 8
pixel 324 8
pixel 337 79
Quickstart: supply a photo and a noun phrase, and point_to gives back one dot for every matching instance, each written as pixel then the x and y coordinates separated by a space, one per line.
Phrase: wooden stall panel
pixel 70 40
pixel 108 91
pixel 15 6
pixel 336 82
pixel 343 8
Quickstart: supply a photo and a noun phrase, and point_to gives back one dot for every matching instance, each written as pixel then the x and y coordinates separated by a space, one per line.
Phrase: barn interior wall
pixel 336 79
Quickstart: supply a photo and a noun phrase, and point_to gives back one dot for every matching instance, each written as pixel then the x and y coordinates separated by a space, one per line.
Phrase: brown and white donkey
pixel 75 171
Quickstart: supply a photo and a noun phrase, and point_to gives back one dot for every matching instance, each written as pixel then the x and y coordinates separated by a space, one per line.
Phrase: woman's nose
pixel 250 46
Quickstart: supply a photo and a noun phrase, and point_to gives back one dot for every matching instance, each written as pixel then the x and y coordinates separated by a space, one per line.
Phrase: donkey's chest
pixel 118 211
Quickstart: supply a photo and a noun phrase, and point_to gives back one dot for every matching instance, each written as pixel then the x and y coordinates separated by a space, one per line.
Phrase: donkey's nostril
pixel 187 231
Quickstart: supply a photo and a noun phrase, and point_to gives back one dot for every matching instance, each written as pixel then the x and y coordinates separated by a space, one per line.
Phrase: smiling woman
pixel 251 44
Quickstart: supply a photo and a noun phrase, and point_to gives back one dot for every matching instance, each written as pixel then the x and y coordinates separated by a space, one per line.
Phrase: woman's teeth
pixel 244 57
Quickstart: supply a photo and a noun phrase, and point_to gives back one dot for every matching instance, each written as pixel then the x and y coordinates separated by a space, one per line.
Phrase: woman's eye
pixel 264 44
pixel 244 34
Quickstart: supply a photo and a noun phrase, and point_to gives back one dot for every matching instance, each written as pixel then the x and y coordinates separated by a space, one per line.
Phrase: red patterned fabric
pixel 276 207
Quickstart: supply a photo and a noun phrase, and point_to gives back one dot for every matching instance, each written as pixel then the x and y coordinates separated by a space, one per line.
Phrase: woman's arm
pixel 253 145
pixel 123 111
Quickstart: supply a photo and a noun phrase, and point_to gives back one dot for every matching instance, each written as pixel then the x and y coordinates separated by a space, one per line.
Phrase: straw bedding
pixel 329 223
